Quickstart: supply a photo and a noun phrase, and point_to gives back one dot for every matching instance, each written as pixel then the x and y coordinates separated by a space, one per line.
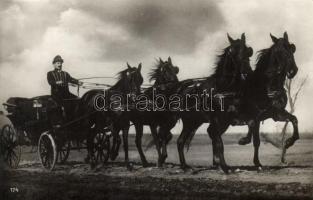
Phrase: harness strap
pixel 274 93
pixel 225 95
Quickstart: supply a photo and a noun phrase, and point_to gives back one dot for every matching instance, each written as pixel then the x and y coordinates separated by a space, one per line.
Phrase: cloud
pixel 23 24
pixel 175 26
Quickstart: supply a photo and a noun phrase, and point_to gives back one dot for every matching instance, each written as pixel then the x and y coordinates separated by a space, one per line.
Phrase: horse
pixel 265 96
pixel 120 98
pixel 90 113
pixel 232 69
pixel 165 80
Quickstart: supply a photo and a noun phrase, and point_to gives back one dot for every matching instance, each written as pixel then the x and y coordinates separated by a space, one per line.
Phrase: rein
pixel 274 93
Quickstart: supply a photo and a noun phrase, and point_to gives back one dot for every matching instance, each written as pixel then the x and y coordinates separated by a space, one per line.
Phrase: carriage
pixel 31 126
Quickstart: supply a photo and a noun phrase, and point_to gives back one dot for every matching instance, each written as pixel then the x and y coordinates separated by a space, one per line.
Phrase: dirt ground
pixel 75 180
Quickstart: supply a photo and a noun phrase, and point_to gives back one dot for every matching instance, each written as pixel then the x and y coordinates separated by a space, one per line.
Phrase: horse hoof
pixel 160 163
pixel 259 167
pixel 215 166
pixel 289 142
pixel 186 167
pixel 257 164
pixel 145 164
pixel 244 141
pixel 129 167
pixel 283 161
pixel 113 156
pixel 163 158
pixel 225 169
pixel 92 165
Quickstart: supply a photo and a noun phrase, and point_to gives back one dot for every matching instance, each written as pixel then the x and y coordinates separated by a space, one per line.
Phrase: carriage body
pixel 29 117
pixel 34 123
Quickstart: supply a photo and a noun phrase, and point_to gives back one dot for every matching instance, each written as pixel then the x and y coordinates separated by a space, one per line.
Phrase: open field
pixel 75 180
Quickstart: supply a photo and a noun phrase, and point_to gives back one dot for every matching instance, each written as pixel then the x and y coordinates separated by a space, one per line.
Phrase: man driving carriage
pixel 59 81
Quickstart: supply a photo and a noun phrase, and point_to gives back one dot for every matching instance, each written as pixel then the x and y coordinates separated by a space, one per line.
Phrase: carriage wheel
pixel 64 152
pixel 102 147
pixel 47 151
pixel 10 148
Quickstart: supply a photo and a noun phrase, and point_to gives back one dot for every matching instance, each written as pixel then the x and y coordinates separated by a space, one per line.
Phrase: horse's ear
pixel 230 39
pixel 274 39
pixel 169 60
pixel 243 37
pixel 161 61
pixel 286 36
pixel 128 66
pixel 139 67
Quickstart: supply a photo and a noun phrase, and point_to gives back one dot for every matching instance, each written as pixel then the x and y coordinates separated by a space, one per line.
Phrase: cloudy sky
pixel 97 38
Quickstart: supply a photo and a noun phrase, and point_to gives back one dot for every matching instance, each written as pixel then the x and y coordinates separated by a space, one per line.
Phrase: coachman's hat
pixel 57 58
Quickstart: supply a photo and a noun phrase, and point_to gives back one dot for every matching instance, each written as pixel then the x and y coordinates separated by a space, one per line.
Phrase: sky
pixel 97 38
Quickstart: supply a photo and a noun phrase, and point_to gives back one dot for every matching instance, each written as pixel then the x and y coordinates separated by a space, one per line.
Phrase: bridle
pixel 234 75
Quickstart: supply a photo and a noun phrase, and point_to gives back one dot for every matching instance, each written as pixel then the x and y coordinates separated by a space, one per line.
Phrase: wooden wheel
pixel 102 147
pixel 64 152
pixel 10 148
pixel 47 151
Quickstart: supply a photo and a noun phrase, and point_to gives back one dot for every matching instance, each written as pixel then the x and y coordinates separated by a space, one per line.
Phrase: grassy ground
pixel 75 180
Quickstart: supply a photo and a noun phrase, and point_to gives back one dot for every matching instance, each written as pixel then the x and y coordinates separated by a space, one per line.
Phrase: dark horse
pixel 94 111
pixel 265 96
pixel 151 112
pixel 232 68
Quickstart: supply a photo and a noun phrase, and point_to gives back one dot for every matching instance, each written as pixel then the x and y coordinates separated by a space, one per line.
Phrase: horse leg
pixel 188 128
pixel 290 141
pixel 283 115
pixel 247 139
pixel 139 133
pixel 256 143
pixel 125 145
pixel 164 133
pixel 211 131
pixel 116 143
pixel 220 128
pixel 90 148
pixel 154 133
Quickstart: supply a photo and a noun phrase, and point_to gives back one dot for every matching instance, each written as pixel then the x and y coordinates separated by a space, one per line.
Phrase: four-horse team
pixel 247 97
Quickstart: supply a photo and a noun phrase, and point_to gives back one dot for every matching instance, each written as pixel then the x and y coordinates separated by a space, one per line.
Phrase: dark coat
pixel 60 91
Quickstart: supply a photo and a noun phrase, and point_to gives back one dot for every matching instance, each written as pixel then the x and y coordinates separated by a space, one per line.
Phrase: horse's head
pixel 165 72
pixel 131 79
pixel 239 53
pixel 282 53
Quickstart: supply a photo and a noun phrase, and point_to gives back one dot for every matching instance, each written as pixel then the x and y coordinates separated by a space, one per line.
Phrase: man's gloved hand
pixel 59 82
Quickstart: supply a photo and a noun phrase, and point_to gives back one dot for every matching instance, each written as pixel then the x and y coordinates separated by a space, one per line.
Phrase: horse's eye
pixel 249 52
pixel 293 48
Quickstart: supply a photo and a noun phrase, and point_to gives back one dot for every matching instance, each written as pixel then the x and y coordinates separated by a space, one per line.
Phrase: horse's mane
pixel 122 74
pixel 262 58
pixel 120 77
pixel 155 72
pixel 220 63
